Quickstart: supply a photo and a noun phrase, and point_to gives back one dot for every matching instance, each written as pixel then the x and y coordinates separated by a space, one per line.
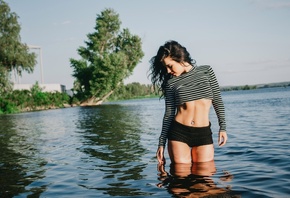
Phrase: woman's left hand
pixel 223 138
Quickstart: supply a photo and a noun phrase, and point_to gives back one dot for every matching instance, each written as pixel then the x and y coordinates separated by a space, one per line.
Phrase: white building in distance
pixel 45 87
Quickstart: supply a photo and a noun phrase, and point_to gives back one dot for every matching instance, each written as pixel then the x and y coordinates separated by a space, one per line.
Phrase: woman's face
pixel 173 67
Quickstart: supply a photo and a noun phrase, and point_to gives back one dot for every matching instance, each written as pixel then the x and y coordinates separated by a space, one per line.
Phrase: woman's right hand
pixel 160 155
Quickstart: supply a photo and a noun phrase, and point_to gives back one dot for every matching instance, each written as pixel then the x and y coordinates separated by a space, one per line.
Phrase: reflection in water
pixel 109 150
pixel 112 137
pixel 19 163
pixel 193 180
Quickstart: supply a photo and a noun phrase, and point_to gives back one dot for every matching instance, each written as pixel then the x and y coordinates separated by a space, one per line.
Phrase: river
pixel 109 150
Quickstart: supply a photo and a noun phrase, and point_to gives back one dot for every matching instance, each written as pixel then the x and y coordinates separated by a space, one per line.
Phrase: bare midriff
pixel 194 113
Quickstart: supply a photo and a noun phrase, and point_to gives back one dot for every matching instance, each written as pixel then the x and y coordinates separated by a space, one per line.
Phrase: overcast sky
pixel 245 41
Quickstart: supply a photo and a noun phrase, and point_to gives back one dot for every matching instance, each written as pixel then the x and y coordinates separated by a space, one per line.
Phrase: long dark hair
pixel 159 75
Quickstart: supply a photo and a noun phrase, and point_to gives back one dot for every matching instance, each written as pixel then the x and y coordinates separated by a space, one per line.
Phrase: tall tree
pixel 14 55
pixel 109 57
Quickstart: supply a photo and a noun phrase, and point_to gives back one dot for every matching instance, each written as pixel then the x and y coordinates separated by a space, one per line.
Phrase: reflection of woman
pixel 189 92
pixel 192 180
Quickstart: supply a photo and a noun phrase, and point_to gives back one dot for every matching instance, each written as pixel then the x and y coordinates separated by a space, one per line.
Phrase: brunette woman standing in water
pixel 189 92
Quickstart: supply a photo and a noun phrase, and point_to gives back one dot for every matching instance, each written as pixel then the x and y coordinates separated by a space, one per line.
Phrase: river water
pixel 109 150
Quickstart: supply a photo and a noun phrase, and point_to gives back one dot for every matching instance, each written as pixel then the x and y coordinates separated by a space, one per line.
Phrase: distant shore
pixel 257 86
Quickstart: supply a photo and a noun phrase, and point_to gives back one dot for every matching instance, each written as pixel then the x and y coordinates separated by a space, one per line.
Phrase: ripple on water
pixel 92 152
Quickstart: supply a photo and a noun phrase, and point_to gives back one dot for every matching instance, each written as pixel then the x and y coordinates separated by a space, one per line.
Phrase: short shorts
pixel 192 136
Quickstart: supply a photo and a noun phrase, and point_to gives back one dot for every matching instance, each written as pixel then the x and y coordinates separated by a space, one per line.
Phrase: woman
pixel 189 92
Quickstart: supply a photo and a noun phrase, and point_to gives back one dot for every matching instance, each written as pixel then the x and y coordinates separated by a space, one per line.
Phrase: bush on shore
pixel 32 100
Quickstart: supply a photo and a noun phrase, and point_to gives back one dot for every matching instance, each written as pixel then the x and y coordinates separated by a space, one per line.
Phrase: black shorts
pixel 192 136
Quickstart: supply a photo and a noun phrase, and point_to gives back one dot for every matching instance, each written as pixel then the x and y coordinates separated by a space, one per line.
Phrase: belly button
pixel 192 122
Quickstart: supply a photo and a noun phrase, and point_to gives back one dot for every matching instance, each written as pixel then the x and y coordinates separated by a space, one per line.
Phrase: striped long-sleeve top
pixel 199 83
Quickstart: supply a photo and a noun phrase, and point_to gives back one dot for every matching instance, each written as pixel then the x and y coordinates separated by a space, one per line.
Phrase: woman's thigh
pixel 203 153
pixel 179 152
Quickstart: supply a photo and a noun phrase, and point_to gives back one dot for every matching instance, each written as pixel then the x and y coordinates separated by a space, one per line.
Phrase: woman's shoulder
pixel 203 67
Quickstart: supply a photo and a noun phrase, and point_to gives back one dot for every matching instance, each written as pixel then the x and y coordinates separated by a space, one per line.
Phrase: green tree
pixel 14 55
pixel 133 90
pixel 109 57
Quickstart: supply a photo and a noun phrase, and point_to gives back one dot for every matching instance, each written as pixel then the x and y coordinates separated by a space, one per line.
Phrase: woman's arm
pixel 168 115
pixel 217 101
pixel 219 108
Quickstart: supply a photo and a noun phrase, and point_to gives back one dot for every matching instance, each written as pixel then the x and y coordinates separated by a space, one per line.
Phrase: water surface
pixel 109 150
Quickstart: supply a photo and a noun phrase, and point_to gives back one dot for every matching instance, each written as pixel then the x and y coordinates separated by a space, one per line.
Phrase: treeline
pixel 35 99
pixel 232 88
pixel 32 100
pixel 133 90
pixel 258 86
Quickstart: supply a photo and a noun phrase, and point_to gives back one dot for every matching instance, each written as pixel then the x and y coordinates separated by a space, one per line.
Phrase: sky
pixel 246 42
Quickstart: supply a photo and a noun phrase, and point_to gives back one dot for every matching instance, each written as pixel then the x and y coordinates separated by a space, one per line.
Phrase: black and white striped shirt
pixel 199 83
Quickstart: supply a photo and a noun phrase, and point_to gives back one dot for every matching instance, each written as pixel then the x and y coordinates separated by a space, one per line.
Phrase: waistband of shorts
pixel 178 124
